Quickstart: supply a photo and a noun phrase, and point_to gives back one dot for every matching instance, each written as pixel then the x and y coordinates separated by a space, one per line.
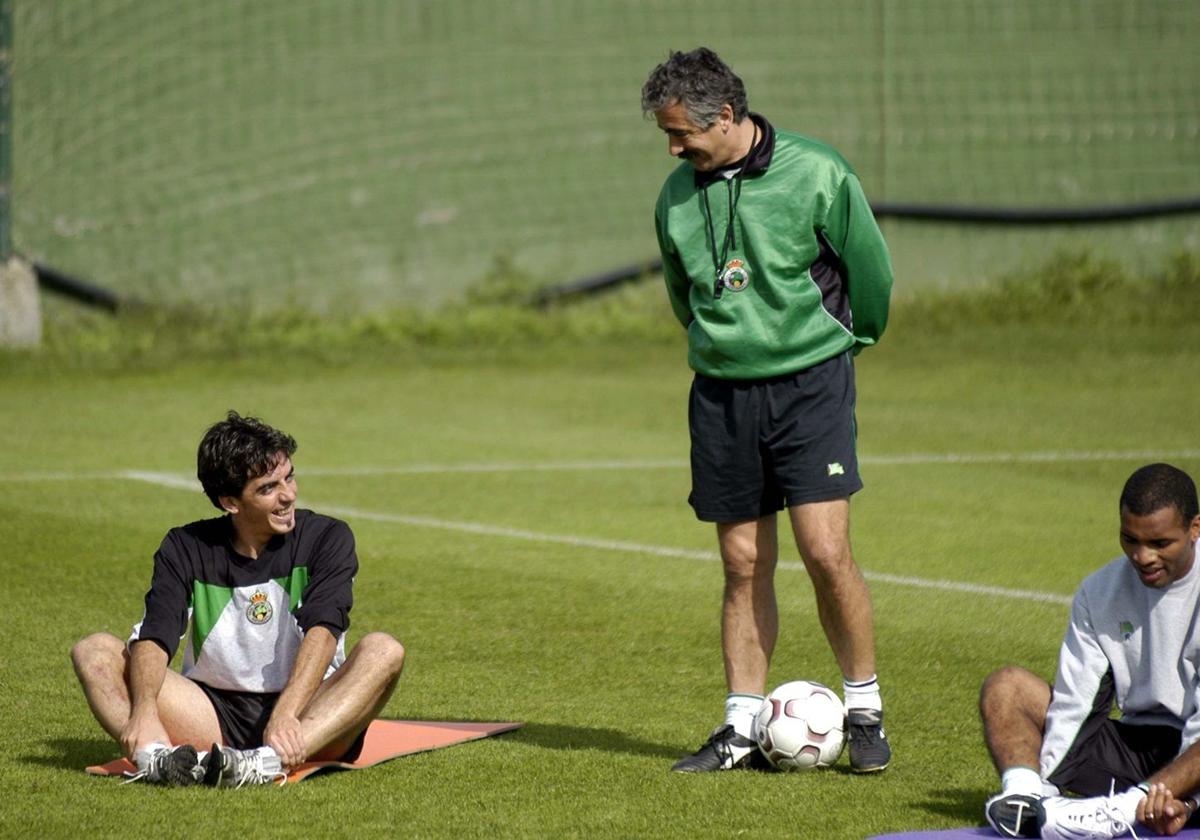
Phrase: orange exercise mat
pixel 386 739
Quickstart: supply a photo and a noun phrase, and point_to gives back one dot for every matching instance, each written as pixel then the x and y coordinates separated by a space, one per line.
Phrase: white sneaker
pixel 159 764
pixel 1094 818
pixel 227 767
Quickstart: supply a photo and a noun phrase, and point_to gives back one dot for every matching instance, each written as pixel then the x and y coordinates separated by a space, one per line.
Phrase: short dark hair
pixel 1156 486
pixel 236 451
pixel 699 80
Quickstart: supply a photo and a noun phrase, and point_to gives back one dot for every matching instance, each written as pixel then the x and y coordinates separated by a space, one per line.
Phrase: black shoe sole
pixel 178 771
pixel 212 768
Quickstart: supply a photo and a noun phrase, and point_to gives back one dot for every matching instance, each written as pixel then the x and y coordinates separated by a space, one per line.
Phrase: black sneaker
pixel 724 750
pixel 869 750
pixel 1013 814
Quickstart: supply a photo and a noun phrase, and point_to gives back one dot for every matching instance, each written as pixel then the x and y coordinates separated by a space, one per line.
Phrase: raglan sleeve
pixel 329 593
pixel 851 229
pixel 1191 723
pixel 1082 669
pixel 168 600
pixel 678 284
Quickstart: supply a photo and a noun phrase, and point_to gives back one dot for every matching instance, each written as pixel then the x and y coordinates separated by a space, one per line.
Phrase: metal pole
pixel 6 29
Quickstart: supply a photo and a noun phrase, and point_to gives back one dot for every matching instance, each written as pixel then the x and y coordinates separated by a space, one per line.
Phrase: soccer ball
pixel 801 725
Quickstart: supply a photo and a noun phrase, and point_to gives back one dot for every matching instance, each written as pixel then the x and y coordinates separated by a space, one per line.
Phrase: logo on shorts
pixel 735 276
pixel 836 469
pixel 1126 629
pixel 259 611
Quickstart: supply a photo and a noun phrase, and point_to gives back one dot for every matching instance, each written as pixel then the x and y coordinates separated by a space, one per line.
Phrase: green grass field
pixel 522 528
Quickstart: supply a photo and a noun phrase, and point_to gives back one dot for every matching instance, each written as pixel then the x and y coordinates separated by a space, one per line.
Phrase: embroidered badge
pixel 836 469
pixel 735 276
pixel 1126 629
pixel 259 611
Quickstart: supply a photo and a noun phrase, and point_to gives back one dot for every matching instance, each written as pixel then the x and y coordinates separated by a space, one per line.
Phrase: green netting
pixel 358 153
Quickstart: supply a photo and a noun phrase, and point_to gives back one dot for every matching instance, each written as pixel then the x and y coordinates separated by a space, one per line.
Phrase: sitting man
pixel 268 589
pixel 1133 637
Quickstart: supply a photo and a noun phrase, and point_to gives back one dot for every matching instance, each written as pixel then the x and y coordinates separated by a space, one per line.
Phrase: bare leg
pixel 346 703
pixel 822 531
pixel 749 615
pixel 101 663
pixel 1013 704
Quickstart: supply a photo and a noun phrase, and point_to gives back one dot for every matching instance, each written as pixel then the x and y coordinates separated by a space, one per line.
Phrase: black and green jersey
pixel 803 275
pixel 247 616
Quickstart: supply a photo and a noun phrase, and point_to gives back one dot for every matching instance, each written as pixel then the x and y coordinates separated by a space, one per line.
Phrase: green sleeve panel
pixel 853 232
pixel 674 275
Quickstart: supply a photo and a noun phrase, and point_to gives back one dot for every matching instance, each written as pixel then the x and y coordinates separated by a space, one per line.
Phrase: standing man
pixel 774 264
pixel 1134 639
pixel 267 589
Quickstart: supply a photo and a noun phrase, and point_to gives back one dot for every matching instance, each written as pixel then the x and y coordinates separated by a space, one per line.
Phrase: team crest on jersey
pixel 259 611
pixel 1126 629
pixel 735 276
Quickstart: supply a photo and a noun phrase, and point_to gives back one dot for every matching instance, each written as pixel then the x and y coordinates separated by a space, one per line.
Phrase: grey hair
pixel 699 80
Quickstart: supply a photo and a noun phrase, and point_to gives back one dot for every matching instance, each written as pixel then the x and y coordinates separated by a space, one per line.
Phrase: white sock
pixel 1021 779
pixel 862 694
pixel 740 710
pixel 142 756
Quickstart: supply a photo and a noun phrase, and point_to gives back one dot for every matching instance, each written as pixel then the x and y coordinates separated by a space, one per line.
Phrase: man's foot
pixel 724 750
pixel 1013 814
pixel 1094 818
pixel 163 765
pixel 869 750
pixel 227 767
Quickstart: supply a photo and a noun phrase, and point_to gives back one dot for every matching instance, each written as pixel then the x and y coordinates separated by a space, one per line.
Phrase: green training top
pixel 805 276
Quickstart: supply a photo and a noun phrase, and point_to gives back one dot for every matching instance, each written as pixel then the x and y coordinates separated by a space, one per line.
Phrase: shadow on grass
pixel 965 804
pixel 75 753
pixel 561 737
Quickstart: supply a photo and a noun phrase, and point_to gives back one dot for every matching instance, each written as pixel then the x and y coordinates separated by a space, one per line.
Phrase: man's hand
pixel 142 728
pixel 284 735
pixel 1161 812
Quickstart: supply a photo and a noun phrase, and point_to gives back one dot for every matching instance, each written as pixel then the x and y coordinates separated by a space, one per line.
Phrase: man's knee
pixel 98 655
pixel 744 560
pixel 381 651
pixel 1008 688
pixel 828 559
pixel 829 556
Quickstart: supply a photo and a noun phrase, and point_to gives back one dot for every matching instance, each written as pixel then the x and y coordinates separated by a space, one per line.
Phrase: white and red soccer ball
pixel 801 725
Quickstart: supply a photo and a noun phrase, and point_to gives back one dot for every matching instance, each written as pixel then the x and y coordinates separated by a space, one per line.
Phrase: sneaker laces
pixel 721 742
pixel 1117 823
pixel 156 759
pixel 1107 812
pixel 253 772
pixel 142 773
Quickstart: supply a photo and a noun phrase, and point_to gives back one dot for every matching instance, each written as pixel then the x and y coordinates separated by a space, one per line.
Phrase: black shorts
pixel 760 444
pixel 243 717
pixel 1108 752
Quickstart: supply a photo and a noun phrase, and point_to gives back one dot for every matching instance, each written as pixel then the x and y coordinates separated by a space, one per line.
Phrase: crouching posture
pixel 267 588
pixel 1133 639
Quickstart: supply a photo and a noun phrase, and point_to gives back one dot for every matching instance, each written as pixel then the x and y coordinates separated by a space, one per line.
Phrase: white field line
pixel 621 546
pixel 912 458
